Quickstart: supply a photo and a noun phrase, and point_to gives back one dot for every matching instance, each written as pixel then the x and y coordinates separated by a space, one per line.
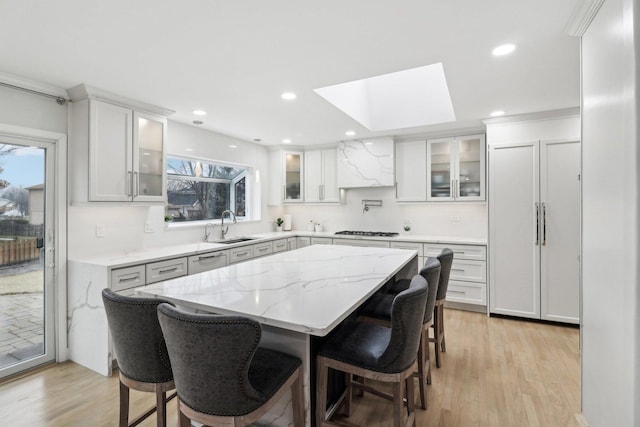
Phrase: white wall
pixel 433 219
pixel 124 224
pixel 610 316
pixel 32 111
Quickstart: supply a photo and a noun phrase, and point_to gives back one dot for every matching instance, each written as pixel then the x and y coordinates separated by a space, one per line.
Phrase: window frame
pixel 245 174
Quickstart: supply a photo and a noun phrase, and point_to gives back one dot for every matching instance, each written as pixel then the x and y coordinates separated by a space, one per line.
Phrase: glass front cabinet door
pixel 292 177
pixel 149 136
pixel 456 169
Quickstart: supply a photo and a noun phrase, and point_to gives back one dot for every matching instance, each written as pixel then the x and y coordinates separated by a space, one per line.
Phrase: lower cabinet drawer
pixel 467 292
pixel 408 245
pixel 165 270
pixel 262 249
pixel 280 245
pixel 127 278
pixel 208 261
pixel 240 254
pixel 321 241
pixel 468 270
pixel 361 242
pixel 475 252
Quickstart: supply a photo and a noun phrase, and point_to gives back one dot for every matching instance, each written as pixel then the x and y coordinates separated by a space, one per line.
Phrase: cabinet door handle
pixel 137 184
pixel 242 253
pixel 537 223
pixel 456 192
pixel 168 270
pixel 544 224
pixel 396 188
pixel 129 183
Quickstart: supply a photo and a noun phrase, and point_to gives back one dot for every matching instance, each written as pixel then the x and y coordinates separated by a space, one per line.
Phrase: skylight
pixel 415 97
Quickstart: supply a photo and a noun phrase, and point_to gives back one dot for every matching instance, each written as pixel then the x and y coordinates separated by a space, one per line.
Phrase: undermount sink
pixel 236 240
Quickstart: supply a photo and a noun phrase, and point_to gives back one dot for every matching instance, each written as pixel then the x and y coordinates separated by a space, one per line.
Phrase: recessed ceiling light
pixel 256 140
pixel 350 133
pixel 233 146
pixel 504 49
pixel 188 149
pixel 286 141
pixel 497 113
pixel 199 112
pixel 288 96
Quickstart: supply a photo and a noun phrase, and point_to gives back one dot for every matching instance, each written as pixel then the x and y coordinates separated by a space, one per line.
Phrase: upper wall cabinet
pixel 116 152
pixel 456 169
pixel 365 163
pixel 321 184
pixel 411 171
pixel 286 180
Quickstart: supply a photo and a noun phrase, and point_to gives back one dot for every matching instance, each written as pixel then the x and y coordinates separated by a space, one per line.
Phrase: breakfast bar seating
pixel 377 353
pixel 143 360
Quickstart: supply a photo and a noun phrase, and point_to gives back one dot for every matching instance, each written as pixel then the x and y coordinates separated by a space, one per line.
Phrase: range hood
pixel 365 163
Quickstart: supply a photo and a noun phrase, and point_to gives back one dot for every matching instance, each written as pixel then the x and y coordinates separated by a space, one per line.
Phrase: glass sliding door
pixel 26 254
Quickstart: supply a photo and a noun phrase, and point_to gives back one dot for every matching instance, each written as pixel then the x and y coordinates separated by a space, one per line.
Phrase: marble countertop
pixel 307 290
pixel 125 259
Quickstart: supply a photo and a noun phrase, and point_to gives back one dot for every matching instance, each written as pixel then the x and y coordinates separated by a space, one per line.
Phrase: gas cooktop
pixel 367 233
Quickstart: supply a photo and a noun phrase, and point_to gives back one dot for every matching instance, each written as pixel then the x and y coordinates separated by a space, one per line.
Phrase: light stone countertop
pixel 308 290
pixel 125 259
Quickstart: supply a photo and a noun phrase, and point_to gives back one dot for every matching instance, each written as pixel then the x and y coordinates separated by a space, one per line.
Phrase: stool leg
pixel 184 420
pixel 411 409
pixel 398 404
pixel 297 398
pixel 161 409
pixel 422 349
pixel 124 405
pixel 436 334
pixel 321 390
pixel 348 378
pixel 444 346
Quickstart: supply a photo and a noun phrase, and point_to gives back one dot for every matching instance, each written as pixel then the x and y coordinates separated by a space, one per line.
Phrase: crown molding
pixel 84 91
pixel 17 82
pixel 582 16
pixel 542 115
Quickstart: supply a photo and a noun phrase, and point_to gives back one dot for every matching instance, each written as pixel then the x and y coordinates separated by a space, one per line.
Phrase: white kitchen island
pixel 296 296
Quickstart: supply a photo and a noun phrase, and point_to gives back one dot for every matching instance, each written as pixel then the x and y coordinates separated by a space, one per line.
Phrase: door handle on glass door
pixel 537 223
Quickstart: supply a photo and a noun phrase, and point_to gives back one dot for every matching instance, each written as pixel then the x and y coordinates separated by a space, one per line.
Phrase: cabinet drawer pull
pixel 457 269
pixel 242 253
pixel 262 249
pixel 169 270
pixel 458 252
pixel 129 279
pixel 202 258
pixel 455 292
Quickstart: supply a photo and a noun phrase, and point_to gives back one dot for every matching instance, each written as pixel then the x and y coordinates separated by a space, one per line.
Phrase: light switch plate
pixel 99 230
pixel 148 227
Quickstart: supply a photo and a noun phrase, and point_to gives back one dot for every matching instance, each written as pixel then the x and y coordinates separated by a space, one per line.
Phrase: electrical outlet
pixel 148 227
pixel 455 218
pixel 99 230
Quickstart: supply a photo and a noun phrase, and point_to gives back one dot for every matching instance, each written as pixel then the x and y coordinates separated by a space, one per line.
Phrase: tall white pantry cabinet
pixel 534 218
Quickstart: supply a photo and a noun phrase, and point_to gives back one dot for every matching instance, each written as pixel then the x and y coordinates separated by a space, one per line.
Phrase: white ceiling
pixel 234 58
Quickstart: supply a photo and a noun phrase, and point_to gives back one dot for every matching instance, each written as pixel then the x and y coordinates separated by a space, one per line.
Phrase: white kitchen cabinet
pixel 165 270
pixel 456 169
pixel 240 254
pixel 362 242
pixel 321 185
pixel 280 245
pixel 301 242
pixel 292 243
pixel 207 261
pixel 124 280
pixel 286 180
pixel 321 241
pixel 262 249
pixel 116 151
pixel 411 171
pixel 534 229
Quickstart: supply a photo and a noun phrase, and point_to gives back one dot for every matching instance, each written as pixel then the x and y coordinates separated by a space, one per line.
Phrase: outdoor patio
pixel 21 315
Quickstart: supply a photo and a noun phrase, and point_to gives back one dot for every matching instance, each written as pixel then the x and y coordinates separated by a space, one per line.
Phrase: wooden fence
pixel 17 251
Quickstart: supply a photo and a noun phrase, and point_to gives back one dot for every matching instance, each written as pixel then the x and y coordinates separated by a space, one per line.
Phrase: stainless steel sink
pixel 236 240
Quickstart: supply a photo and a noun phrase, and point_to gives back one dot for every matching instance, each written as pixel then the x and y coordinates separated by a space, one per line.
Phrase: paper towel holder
pixel 287 223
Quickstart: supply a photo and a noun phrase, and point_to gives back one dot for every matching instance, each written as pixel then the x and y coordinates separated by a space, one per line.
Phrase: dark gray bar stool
pixel 378 353
pixel 378 310
pixel 142 356
pixel 223 377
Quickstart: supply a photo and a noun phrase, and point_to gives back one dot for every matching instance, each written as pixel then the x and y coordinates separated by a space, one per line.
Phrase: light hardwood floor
pixel 496 372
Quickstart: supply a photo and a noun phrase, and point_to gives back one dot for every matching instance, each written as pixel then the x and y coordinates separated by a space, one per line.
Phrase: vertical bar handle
pixel 544 223
pixel 537 223
pixel 137 184
pixel 129 183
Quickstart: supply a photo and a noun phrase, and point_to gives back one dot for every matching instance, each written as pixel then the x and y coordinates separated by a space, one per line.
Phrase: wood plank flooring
pixel 496 372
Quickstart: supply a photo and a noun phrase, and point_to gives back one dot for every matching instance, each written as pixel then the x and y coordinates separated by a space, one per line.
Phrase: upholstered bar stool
pixel 142 356
pixel 222 376
pixel 378 310
pixel 378 353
